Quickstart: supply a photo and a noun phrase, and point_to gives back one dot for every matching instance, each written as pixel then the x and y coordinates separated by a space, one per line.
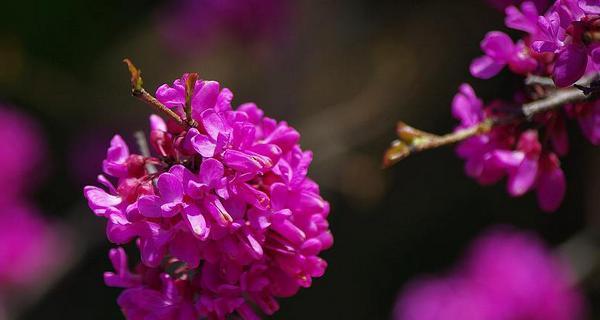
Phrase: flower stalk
pixel 138 91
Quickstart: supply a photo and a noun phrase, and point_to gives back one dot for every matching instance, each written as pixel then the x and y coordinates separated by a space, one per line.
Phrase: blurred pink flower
pixel 21 152
pixel 30 248
pixel 186 23
pixel 506 275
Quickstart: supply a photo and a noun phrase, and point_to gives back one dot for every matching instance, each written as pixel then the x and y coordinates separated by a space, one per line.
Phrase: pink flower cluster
pixel 224 215
pixel 512 152
pixel 29 246
pixel 560 44
pixel 507 275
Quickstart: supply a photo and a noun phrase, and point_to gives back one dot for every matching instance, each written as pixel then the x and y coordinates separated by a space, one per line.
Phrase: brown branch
pixel 402 148
pixel 412 140
pixel 190 85
pixel 559 98
pixel 139 92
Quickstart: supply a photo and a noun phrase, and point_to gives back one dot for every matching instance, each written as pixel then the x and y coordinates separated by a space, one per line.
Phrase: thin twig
pixel 558 99
pixel 190 85
pixel 412 140
pixel 139 92
pixel 401 149
pixel 538 80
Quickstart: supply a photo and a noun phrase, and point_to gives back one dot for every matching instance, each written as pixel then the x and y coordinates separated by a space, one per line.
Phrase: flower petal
pixel 485 67
pixel 570 65
pixel 205 98
pixel 98 198
pixel 170 187
pixel 196 222
pixel 211 171
pixel 551 187
pixel 498 46
pixel 521 181
pixel 149 206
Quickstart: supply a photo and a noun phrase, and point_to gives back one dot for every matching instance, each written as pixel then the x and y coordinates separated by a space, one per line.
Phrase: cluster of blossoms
pixel 561 44
pixel 507 275
pixel 224 215
pixel 29 246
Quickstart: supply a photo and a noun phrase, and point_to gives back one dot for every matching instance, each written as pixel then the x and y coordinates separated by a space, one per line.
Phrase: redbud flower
pixel 502 138
pixel 497 153
pixel 506 275
pixel 500 51
pixel 528 168
pixel 479 151
pixel 224 214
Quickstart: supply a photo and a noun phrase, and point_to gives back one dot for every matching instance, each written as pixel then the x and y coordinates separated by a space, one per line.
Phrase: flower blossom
pixel 500 51
pixel 506 275
pixel 562 42
pixel 224 214
pixel 505 151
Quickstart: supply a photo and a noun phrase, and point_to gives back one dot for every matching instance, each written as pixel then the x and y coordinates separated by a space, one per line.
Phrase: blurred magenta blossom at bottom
pixel 507 275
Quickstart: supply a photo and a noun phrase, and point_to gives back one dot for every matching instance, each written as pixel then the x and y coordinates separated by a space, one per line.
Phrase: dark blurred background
pixel 342 72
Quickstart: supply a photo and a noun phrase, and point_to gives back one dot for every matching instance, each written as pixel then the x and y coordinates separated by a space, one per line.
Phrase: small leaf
pixel 396 152
pixel 136 75
pixel 409 134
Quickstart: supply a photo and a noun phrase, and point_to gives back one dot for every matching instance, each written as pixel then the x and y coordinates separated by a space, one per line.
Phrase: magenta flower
pixel 228 204
pixel 523 18
pixel 494 155
pixel 563 41
pixel 506 275
pixel 528 168
pixel 565 32
pixel 479 151
pixel 500 51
